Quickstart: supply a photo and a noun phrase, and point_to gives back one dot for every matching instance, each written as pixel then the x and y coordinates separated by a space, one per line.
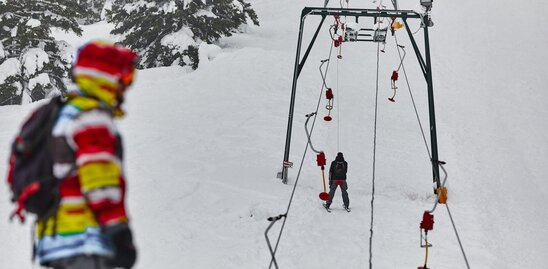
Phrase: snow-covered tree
pixel 32 63
pixel 90 10
pixel 170 32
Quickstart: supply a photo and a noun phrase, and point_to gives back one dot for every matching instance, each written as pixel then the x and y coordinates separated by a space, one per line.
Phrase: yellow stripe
pixel 97 175
pixel 83 103
pixel 71 219
pixel 98 87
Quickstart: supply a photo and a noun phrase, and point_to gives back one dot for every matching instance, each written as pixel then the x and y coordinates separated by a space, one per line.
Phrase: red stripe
pixel 70 187
pixel 109 59
pixel 94 139
pixel 10 169
pixel 75 211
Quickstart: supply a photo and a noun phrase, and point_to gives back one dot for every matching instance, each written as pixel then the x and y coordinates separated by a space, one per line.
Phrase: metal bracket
pixel 272 220
pixel 365 34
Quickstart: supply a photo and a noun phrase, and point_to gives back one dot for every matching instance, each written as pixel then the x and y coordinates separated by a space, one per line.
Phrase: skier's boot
pixel 346 208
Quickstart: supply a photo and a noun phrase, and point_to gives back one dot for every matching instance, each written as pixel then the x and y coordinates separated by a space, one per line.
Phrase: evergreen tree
pixel 32 63
pixel 90 11
pixel 169 32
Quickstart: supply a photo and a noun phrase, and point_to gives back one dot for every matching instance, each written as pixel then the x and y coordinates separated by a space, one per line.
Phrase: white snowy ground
pixel 203 148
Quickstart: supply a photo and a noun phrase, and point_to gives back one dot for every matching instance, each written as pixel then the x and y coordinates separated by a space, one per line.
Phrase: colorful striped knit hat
pixel 101 68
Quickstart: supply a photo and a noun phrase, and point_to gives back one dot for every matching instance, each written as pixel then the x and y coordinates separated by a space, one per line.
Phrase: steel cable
pixel 301 165
pixel 374 162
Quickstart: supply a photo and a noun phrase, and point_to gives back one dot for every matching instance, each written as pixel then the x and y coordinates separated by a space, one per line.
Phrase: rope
pixel 430 156
pixel 457 234
pixel 289 206
pixel 450 217
pixel 374 159
pixel 422 24
pixel 412 98
pixel 438 194
pixel 338 110
pixel 300 167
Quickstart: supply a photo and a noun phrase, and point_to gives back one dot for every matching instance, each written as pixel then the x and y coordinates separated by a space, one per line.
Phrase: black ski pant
pixel 80 262
pixel 333 188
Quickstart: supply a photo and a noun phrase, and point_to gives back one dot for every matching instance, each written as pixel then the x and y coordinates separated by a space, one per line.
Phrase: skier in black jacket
pixel 337 176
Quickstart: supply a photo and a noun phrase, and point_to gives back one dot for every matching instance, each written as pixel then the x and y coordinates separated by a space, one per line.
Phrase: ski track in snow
pixel 203 148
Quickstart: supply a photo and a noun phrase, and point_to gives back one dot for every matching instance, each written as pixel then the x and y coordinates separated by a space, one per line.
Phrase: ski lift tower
pixel 424 63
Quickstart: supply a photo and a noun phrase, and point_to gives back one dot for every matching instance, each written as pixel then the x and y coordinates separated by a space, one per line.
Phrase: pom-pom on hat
pixel 101 68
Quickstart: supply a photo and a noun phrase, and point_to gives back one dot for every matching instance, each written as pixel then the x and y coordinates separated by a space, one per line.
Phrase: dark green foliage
pixel 169 32
pixel 25 34
pixel 229 18
pixel 9 90
pixel 90 11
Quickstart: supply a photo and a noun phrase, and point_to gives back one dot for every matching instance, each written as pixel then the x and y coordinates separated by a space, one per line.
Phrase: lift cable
pixel 422 25
pixel 338 109
pixel 457 234
pixel 430 156
pixel 374 159
pixel 450 217
pixel 273 252
pixel 412 98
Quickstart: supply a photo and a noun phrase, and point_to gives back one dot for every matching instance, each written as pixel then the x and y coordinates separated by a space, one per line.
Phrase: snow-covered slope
pixel 203 148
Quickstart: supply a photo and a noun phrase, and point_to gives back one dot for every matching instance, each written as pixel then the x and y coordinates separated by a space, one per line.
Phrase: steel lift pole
pixel 425 65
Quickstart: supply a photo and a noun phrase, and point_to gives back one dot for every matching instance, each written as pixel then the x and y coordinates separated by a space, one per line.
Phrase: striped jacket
pixel 88 163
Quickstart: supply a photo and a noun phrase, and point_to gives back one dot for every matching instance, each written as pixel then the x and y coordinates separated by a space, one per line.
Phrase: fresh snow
pixel 169 7
pixel 34 60
pixel 203 148
pixel 133 6
pixel 8 68
pixel 2 52
pixel 33 23
pixel 180 39
pixel 40 79
pixel 97 31
pixel 207 52
pixel 13 31
pixel 205 13
pixel 65 51
pixel 238 4
pixel 106 7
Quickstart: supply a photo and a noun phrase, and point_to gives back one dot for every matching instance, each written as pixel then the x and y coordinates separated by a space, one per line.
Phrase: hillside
pixel 203 148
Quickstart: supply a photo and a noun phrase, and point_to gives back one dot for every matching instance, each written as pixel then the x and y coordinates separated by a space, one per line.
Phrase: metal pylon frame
pixel 424 63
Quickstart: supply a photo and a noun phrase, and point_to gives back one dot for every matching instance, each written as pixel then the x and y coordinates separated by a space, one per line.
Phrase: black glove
pixel 122 241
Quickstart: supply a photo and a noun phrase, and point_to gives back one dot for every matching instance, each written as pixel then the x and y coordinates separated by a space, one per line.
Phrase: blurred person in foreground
pixel 90 227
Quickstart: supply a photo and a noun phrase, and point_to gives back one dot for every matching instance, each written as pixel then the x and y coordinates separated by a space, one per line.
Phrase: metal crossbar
pixel 358 12
pixel 424 63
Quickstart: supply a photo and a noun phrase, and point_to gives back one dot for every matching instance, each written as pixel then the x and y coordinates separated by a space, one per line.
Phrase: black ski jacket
pixel 332 175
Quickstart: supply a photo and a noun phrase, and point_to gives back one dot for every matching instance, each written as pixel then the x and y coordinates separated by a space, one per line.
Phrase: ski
pixel 346 208
pixel 326 208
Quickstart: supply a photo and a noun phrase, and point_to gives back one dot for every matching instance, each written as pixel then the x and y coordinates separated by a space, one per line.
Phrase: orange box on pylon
pixel 442 195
